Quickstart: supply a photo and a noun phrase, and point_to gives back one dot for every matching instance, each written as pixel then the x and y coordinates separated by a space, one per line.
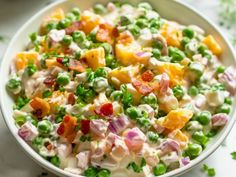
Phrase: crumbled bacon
pixel 147 76
pixel 142 87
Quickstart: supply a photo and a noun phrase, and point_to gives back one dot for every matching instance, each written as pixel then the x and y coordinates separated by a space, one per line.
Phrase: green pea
pixel 67 40
pixel 220 69
pixel 142 22
pixel 20 120
pixel 89 95
pixel 202 49
pixel 145 5
pixel 78 36
pixel 224 108
pixel 228 101
pixel 100 84
pixel 156 53
pixel 31 69
pixel 100 72
pixel 76 11
pixel 64 23
pixel 133 112
pixel 196 69
pixel 13 83
pixel 156 44
pixel 135 30
pixel 55 160
pixel 99 9
pixel 178 92
pixel 193 91
pixel 204 117
pixel 111 62
pixel 47 93
pixel 193 150
pixel 144 122
pixel 71 17
pixel 51 25
pixel 155 23
pixel 104 173
pixel 153 137
pixel 185 41
pixel 45 127
pixel 37 142
pixel 116 95
pixel 33 37
pixel 77 54
pixel 200 138
pixel 91 172
pixel 63 78
pixel 159 169
pixel 150 99
pixel 188 33
pixel 21 102
pixel 176 54
pixel 107 47
pixel 124 20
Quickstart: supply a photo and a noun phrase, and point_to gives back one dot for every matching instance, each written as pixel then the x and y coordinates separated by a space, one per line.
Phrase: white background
pixel 13 161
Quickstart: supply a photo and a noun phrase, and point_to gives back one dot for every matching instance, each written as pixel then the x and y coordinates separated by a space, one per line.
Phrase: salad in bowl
pixel 117 90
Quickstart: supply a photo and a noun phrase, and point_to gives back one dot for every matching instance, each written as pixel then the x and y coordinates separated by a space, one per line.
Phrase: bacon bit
pixel 38 113
pixel 147 76
pixel 60 60
pixel 66 119
pixel 104 33
pixel 67 128
pixel 115 32
pixel 49 81
pixel 76 66
pixel 85 126
pixel 105 110
pixel 78 25
pixel 61 129
pixel 68 51
pixel 125 37
pixel 142 87
pixel 49 146
pixel 71 99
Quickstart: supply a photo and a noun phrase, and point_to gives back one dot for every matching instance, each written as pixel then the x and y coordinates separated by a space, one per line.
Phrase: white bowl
pixel 170 9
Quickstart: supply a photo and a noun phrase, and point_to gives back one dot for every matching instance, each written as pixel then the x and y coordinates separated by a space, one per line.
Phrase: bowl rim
pixel 56 170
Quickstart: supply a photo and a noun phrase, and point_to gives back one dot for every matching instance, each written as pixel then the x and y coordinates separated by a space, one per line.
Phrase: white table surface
pixel 15 163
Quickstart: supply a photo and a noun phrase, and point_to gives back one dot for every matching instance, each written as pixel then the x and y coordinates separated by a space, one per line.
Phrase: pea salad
pixel 116 90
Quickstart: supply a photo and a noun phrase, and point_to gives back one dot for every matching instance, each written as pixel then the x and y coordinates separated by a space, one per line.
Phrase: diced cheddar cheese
pixel 174 70
pixel 57 15
pixel 136 95
pixel 52 63
pixel 172 33
pixel 24 58
pixel 126 53
pixel 90 21
pixel 67 128
pixel 180 137
pixel 124 74
pixel 95 58
pixel 176 119
pixel 58 98
pixel 40 104
pixel 212 44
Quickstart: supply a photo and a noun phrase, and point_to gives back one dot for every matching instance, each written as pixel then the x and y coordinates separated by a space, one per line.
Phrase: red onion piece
pixel 118 125
pixel 134 139
pixel 219 120
pixel 28 131
pixel 185 160
pixel 169 145
pixel 98 127
pixel 164 83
